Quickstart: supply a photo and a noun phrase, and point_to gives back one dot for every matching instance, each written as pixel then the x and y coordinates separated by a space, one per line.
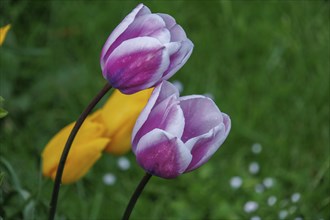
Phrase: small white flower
pixel 271 200
pixel 268 182
pixel 254 167
pixel 250 206
pixel 256 148
pixel 178 85
pixel 123 163
pixel 282 214
pixel 255 218
pixel 236 182
pixel 109 179
pixel 295 197
pixel 259 188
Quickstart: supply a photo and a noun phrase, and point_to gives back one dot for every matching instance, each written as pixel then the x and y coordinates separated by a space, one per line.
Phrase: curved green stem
pixel 136 195
pixel 66 150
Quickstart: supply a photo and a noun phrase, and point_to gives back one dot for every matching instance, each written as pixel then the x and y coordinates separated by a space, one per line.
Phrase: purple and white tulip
pixel 143 50
pixel 175 135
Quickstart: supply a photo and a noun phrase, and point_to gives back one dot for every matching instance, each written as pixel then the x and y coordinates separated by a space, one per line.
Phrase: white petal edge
pixel 186 46
pixel 206 101
pixel 189 97
pixel 168 19
pixel 163 35
pixel 177 33
pixel 173 47
pixel 221 132
pixel 122 27
pixel 192 141
pixel 176 125
pixel 158 135
pixel 151 102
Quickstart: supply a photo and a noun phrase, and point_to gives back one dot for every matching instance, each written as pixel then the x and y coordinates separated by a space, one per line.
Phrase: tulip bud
pixel 175 135
pixel 143 50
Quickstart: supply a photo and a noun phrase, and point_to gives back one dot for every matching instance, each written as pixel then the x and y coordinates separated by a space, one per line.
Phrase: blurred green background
pixel 266 63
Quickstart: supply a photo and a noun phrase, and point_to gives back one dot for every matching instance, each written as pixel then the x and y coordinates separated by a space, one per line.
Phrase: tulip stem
pixel 81 119
pixel 136 195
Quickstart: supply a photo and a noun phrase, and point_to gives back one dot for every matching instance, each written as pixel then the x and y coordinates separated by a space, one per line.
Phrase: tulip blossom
pixel 108 129
pixel 175 135
pixel 143 50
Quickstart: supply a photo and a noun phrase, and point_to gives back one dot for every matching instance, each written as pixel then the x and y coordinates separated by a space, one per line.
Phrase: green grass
pixel 265 62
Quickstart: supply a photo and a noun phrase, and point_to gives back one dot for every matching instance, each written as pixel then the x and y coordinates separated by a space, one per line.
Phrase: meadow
pixel 265 63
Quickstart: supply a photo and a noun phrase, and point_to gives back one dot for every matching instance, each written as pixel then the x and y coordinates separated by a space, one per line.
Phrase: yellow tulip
pixel 107 129
pixel 85 151
pixel 119 115
pixel 3 33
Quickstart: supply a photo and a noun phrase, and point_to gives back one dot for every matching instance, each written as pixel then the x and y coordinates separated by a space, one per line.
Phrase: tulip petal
pixel 160 93
pixel 162 154
pixel 81 159
pixel 136 64
pixel 143 11
pixel 120 107
pixel 201 115
pixel 4 30
pixel 167 89
pixel 139 10
pixel 89 130
pixel 227 123
pixel 142 26
pixel 53 150
pixel 204 146
pixel 121 140
pixel 167 116
pixel 163 35
pixel 118 115
pixel 168 19
pixel 177 33
pixel 173 47
pixel 178 59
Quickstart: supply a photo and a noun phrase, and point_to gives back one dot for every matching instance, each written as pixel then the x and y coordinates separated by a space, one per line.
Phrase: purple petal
pixel 169 20
pixel 142 26
pixel 121 28
pixel 204 146
pixel 177 33
pixel 179 58
pixel 227 123
pixel 160 93
pixel 162 154
pixel 167 89
pixel 136 64
pixel 144 11
pixel 173 47
pixel 167 116
pixel 201 115
pixel 163 35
